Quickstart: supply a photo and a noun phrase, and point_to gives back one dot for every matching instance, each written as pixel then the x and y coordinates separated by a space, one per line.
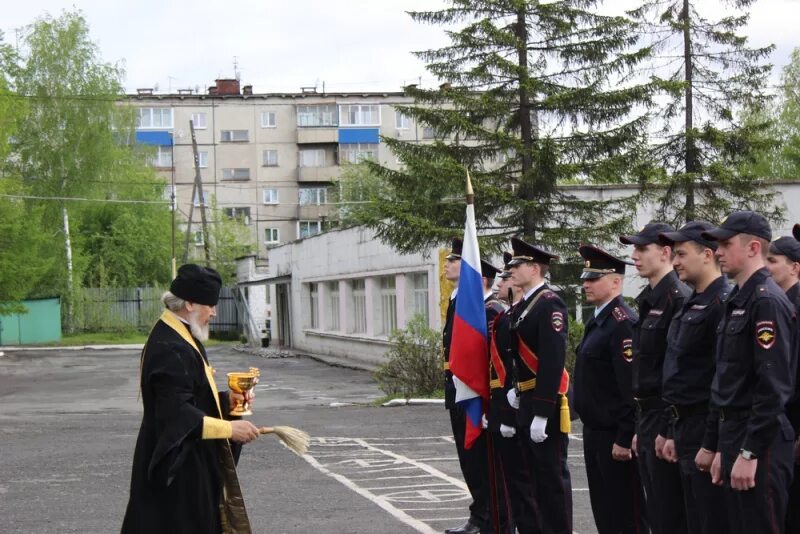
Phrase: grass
pixel 437 394
pixel 119 338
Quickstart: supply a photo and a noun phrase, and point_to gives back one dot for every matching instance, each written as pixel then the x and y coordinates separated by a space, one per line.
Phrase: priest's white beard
pixel 198 331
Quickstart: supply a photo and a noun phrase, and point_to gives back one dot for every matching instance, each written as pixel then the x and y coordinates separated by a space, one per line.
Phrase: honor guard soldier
pixel 658 302
pixel 753 380
pixel 688 371
pixel 538 335
pixel 603 398
pixel 474 461
pixel 783 262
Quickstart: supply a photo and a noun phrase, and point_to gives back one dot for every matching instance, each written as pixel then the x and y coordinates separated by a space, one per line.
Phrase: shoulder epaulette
pixel 619 314
pixel 761 291
pixel 549 294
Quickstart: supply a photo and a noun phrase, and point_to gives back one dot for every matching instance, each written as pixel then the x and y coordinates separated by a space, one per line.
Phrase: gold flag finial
pixel 470 192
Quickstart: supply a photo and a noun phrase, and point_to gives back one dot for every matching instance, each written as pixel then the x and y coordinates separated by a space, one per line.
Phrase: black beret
pixel 197 284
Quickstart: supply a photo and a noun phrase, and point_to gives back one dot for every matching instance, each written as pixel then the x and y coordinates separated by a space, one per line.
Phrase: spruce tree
pixel 705 144
pixel 533 96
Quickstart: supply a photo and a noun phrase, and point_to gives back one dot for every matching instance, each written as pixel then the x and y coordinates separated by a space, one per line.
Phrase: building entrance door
pixel 283 314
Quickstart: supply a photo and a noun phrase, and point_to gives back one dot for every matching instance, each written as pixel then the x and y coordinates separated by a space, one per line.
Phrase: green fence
pixel 41 324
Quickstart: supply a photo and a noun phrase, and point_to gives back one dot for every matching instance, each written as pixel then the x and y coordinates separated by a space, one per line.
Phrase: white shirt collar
pixel 533 290
pixel 453 294
pixel 487 294
pixel 598 309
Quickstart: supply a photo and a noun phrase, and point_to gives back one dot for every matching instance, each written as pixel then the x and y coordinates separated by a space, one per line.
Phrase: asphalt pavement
pixel 69 420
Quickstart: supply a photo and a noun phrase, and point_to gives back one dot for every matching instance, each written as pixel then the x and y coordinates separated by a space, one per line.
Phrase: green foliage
pixel 532 99
pixel 701 155
pixel 575 332
pixel 414 365
pixel 229 238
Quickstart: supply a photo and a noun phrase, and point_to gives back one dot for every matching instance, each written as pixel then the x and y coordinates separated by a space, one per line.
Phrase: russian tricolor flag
pixel 469 361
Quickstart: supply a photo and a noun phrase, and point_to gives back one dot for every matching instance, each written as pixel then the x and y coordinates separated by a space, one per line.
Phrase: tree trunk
pixel 690 155
pixel 68 253
pixel 526 186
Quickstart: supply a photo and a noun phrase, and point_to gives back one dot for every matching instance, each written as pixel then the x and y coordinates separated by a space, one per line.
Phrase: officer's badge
pixel 765 334
pixel 627 349
pixel 557 320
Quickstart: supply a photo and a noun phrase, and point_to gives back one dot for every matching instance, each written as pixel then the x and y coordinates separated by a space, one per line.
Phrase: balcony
pixel 317 135
pixel 314 212
pixel 318 174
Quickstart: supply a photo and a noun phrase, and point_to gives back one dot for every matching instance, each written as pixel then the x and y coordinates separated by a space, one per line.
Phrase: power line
pixel 110 200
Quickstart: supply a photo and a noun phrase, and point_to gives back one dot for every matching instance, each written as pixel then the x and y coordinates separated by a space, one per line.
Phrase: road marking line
pixel 407 487
pixel 398 514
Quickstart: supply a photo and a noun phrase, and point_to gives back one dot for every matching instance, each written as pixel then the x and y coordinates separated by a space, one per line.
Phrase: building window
pixel 234 136
pixel 268 119
pixel 242 214
pixel 235 174
pixel 321 115
pixel 270 158
pixel 312 195
pixel 271 237
pixel 202 159
pixel 428 132
pixel 333 306
pixel 154 118
pixel 418 283
pixel 199 121
pixel 162 157
pixel 401 121
pixel 357 152
pixel 198 238
pixel 308 228
pixel 388 305
pixel 314 157
pixel 270 196
pixel 196 200
pixel 314 305
pixel 360 115
pixel 359 306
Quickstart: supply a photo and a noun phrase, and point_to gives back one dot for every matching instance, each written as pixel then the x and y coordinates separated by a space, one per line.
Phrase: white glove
pixel 513 398
pixel 537 429
pixel 484 422
pixel 508 431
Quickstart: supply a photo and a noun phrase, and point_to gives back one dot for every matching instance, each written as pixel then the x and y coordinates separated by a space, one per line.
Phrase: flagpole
pixel 470 192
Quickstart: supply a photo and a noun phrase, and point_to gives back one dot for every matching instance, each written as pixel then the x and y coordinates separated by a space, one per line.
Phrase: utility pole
pixel 197 189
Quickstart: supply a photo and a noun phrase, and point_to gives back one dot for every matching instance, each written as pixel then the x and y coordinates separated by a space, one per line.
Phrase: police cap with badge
pixel 527 253
pixel 740 222
pixel 647 235
pixel 506 267
pixel 599 262
pixel 455 249
pixel 691 231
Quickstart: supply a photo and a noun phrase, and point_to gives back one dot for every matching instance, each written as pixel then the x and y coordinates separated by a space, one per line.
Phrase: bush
pixel 576 329
pixel 415 364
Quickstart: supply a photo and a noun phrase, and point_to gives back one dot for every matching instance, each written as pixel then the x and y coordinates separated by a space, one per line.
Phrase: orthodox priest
pixel 184 472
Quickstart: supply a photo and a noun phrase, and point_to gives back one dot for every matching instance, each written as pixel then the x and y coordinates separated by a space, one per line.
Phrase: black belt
pixel 687 410
pixel 733 414
pixel 648 403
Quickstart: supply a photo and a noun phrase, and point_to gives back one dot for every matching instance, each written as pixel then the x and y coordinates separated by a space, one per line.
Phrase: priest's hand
pixel 243 431
pixel 247 399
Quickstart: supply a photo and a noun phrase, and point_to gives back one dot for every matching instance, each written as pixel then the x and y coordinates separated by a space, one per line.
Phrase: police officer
pixel 658 302
pixel 538 330
pixel 783 262
pixel 753 380
pixel 517 490
pixel 688 371
pixel 473 461
pixel 603 397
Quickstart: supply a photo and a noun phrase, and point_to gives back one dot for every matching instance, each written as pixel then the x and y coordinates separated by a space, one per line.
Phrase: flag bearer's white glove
pixel 513 398
pixel 484 422
pixel 508 431
pixel 537 429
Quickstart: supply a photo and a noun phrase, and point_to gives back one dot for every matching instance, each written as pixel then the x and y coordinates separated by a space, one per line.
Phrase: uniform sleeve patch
pixel 557 320
pixel 627 350
pixel 765 334
pixel 619 314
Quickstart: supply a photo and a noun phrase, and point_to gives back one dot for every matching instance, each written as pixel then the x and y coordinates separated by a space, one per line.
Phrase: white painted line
pixel 389 469
pixel 432 509
pixel 398 514
pixel 408 487
pixel 462 518
pixel 439 459
pixel 391 478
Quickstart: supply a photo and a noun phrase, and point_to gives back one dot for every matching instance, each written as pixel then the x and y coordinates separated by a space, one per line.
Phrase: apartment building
pixel 270 159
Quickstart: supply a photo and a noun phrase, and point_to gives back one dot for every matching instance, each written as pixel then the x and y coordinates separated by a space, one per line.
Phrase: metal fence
pixel 137 308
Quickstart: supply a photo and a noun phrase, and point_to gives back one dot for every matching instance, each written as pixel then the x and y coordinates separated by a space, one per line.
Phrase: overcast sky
pixel 281 45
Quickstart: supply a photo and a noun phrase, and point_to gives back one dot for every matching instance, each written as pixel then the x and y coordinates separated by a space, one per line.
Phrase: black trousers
pixel 793 511
pixel 761 509
pixel 661 479
pixel 551 478
pixel 474 464
pixel 615 490
pixel 513 468
pixel 704 502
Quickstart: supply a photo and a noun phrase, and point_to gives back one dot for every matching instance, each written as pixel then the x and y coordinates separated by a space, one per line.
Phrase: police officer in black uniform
pixel 658 302
pixel 538 331
pixel 753 380
pixel 510 462
pixel 688 371
pixel 783 262
pixel 603 398
pixel 473 461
